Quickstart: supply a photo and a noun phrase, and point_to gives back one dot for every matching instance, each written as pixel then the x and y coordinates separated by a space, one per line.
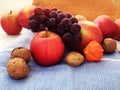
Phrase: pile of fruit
pixel 54 20
pixel 55 31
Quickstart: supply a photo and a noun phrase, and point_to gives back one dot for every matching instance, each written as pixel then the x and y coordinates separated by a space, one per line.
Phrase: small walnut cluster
pixel 17 66
pixel 109 45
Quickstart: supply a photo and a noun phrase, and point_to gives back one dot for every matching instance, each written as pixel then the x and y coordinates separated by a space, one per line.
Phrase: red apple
pixel 10 23
pixel 24 15
pixel 107 26
pixel 117 21
pixel 47 48
pixel 89 32
pixel 0 20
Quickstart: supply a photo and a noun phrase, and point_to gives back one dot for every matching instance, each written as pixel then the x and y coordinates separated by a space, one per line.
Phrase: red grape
pixel 42 19
pixel 67 37
pixel 53 14
pixel 75 28
pixel 68 15
pixel 38 10
pixel 60 16
pixel 46 11
pixel 76 39
pixel 66 24
pixel 52 22
pixel 73 20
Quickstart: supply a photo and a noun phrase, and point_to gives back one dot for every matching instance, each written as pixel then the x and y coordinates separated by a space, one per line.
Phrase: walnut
pixel 17 68
pixel 74 58
pixel 109 45
pixel 21 52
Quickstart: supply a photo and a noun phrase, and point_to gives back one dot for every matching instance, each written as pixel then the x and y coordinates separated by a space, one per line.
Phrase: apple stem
pixel 10 12
pixel 46 32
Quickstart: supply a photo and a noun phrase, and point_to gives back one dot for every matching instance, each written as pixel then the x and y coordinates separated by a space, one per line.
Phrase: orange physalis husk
pixel 93 51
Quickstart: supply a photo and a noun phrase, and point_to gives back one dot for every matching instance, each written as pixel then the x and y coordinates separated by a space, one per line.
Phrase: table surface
pixel 6 6
pixel 5 39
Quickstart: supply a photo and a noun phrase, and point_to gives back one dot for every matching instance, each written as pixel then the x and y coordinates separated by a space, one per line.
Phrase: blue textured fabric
pixel 104 75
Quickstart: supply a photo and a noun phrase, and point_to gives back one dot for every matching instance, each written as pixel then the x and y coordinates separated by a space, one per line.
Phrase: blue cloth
pixel 104 75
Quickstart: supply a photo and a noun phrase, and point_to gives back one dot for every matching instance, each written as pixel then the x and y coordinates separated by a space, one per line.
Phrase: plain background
pixel 15 5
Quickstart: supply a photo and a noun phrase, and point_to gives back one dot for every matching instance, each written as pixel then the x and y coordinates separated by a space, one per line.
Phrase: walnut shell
pixel 17 68
pixel 21 52
pixel 109 45
pixel 74 58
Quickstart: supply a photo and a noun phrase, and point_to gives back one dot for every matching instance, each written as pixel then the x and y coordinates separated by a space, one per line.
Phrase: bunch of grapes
pixel 64 24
